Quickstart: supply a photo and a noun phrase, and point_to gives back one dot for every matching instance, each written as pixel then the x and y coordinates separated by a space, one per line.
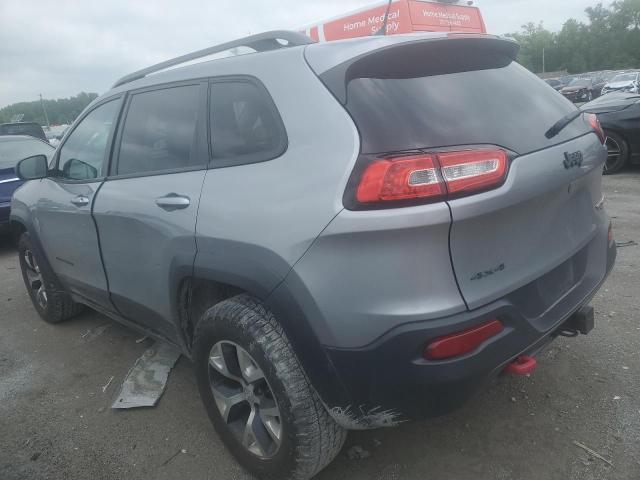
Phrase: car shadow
pixel 7 243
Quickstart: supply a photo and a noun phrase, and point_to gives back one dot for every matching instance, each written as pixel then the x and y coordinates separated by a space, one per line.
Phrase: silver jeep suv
pixel 340 236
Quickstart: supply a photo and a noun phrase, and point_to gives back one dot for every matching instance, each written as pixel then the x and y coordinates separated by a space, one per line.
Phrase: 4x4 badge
pixel 572 159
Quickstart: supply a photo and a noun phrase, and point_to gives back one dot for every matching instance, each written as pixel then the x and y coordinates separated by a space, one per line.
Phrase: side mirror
pixel 32 168
pixel 75 169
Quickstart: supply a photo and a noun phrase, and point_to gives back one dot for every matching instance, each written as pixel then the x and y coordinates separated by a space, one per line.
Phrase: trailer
pixel 405 16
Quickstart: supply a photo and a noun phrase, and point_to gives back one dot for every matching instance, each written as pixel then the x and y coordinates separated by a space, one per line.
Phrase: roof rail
pixel 261 42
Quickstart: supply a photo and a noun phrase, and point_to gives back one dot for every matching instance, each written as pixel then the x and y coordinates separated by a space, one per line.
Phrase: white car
pixel 624 82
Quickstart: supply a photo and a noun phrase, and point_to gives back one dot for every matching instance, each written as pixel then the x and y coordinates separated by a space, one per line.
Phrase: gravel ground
pixel 55 420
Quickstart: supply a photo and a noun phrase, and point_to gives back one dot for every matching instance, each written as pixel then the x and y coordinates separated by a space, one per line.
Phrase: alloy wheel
pixel 245 399
pixel 614 151
pixel 34 278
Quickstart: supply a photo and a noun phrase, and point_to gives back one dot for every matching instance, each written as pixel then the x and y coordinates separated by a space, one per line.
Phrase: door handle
pixel 173 201
pixel 80 201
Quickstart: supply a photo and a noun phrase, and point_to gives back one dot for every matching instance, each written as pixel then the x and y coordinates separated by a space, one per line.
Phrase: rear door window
pixel 245 124
pixel 160 131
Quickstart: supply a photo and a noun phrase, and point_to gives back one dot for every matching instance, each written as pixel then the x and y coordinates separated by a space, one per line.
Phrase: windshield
pixel 15 149
pixel 627 77
pixel 580 82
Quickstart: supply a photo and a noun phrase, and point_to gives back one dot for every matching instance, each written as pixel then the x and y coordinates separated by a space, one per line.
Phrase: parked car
pixel 567 79
pixel 55 134
pixel 619 115
pixel 23 128
pixel 555 83
pixel 372 255
pixel 625 82
pixel 583 89
pixel 14 148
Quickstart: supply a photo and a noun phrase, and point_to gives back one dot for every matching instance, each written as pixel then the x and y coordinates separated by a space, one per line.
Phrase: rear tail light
pixel 473 171
pixel 403 179
pixel 432 176
pixel 592 120
pixel 461 343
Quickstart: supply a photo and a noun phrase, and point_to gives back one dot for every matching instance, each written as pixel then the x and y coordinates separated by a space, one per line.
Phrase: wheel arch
pixel 292 309
pixel 194 296
pixel 17 228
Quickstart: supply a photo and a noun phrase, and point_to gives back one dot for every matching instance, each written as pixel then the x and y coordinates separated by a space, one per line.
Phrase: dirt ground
pixel 56 421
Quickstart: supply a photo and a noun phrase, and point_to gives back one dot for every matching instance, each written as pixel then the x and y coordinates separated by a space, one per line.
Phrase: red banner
pixel 368 22
pixel 405 16
pixel 445 17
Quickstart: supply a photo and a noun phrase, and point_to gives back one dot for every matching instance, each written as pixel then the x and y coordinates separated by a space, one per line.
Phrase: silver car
pixel 340 236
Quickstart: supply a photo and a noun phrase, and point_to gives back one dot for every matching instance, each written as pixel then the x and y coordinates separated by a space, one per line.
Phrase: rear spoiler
pixel 412 57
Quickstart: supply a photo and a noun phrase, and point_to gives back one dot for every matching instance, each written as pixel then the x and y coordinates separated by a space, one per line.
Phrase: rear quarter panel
pixel 255 221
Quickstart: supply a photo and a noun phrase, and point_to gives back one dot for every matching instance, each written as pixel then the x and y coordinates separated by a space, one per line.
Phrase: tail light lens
pixel 592 120
pixel 461 343
pixel 473 171
pixel 403 179
pixel 432 176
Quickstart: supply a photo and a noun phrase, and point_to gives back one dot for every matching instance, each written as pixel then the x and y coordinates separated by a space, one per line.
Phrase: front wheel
pixel 51 302
pixel 257 395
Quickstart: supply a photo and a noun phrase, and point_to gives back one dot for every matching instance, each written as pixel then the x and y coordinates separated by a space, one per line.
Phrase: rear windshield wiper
pixel 562 123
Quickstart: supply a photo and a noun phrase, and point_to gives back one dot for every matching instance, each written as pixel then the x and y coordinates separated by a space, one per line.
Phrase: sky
pixel 61 48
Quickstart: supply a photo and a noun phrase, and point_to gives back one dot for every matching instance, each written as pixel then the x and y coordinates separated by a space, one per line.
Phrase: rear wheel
pixel 617 153
pixel 51 302
pixel 257 395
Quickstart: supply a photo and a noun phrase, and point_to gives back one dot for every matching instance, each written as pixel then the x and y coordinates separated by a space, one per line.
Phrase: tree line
pixel 609 41
pixel 61 111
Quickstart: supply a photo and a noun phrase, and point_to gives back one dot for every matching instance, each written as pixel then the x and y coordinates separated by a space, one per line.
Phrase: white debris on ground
pixel 92 334
pixel 146 381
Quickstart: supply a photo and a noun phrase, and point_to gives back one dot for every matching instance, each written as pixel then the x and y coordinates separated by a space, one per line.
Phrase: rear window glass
pixel 506 106
pixel 31 129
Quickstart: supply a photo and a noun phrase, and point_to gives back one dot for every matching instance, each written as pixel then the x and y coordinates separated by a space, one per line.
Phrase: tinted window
pixel 13 150
pixel 245 125
pixel 160 131
pixel 83 153
pixel 506 106
pixel 31 129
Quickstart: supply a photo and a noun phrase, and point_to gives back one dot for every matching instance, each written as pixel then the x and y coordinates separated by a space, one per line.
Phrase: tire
pixel 49 299
pixel 241 335
pixel 617 153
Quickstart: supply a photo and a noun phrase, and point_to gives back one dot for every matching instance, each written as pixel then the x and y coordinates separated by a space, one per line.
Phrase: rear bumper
pixel 388 381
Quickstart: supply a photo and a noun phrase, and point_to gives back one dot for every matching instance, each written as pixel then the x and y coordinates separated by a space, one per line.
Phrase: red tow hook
pixel 522 365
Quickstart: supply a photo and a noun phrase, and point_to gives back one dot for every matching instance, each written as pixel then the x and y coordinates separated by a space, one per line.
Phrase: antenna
pixel 383 31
